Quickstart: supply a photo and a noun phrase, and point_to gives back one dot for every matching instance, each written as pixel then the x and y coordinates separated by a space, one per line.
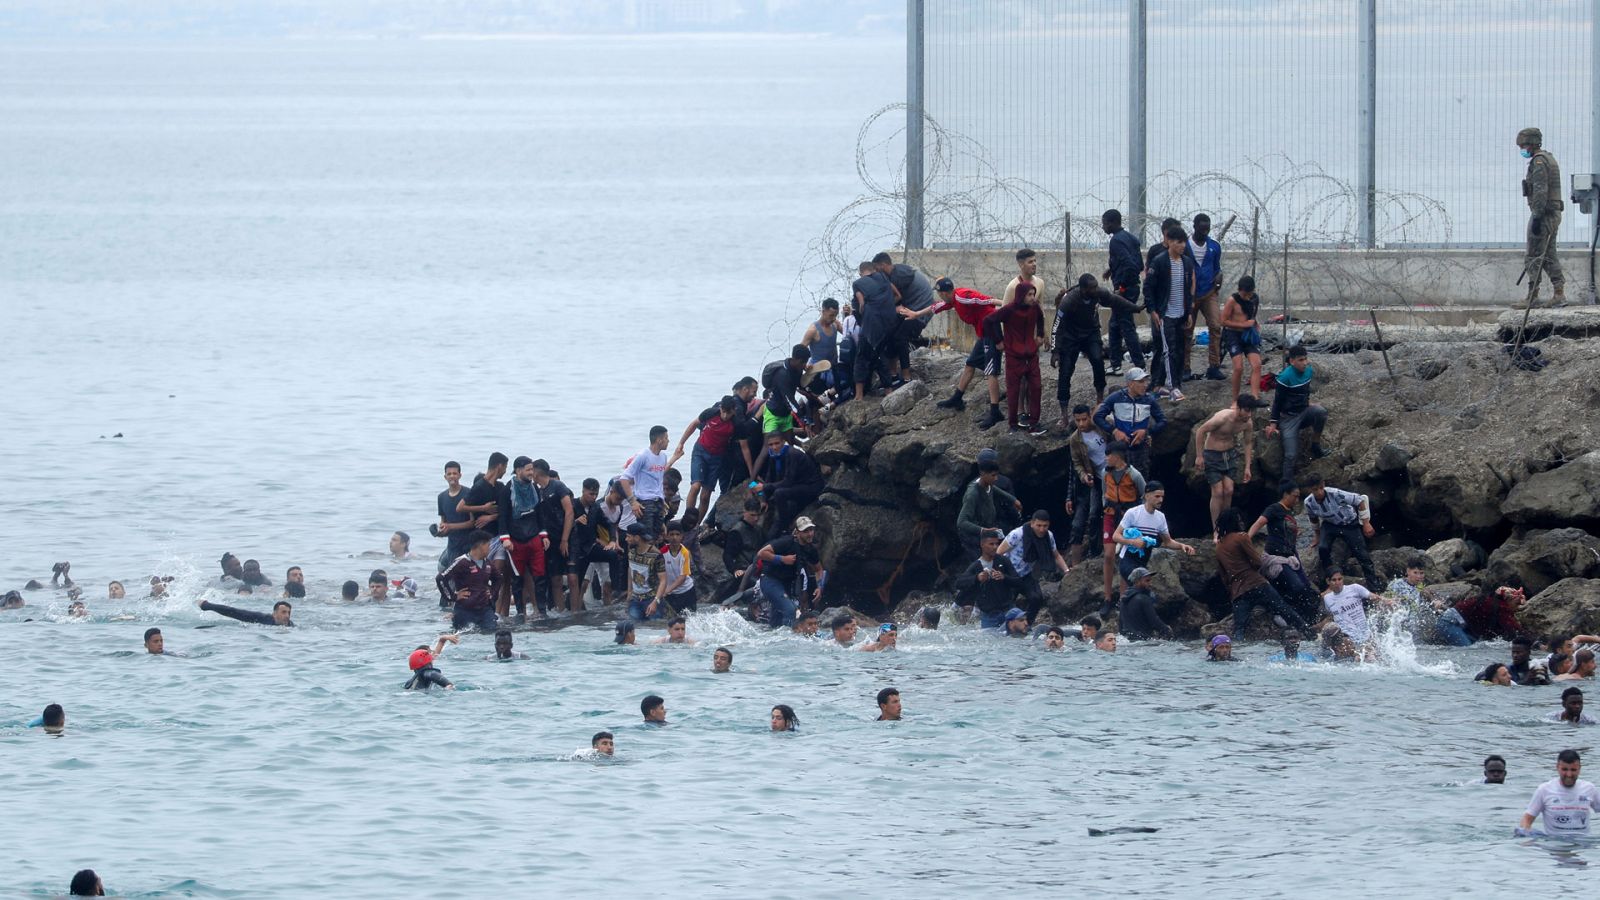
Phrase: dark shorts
pixel 1220 464
pixel 704 468
pixel 1242 342
pixel 528 556
pixel 983 358
pixel 555 564
pixel 483 619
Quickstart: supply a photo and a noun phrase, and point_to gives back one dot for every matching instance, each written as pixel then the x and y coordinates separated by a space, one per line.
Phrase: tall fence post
pixel 916 34
pixel 1594 86
pixel 1136 118
pixel 1366 155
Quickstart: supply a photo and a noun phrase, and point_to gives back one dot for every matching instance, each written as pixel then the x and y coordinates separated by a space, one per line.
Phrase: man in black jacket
pixel 990 583
pixel 1169 283
pixel 791 482
pixel 1123 273
pixel 1077 331
pixel 279 615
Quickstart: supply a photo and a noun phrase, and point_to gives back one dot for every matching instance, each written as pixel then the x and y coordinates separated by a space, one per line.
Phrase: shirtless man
pixel 1216 449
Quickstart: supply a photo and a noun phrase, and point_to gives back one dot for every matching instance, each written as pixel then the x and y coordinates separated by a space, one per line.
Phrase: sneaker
pixel 989 420
pixel 1176 396
pixel 1320 452
pixel 1014 429
pixel 1163 392
pixel 955 401
pixel 1039 430
pixel 1024 421
pixel 1190 376
pixel 1214 373
pixel 1114 370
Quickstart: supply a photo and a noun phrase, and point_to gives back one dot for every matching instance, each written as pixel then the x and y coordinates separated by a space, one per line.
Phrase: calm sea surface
pixel 297 277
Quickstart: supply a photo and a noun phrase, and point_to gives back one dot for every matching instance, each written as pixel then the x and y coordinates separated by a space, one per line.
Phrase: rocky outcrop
pixel 1542 558
pixel 1459 450
pixel 1570 606
pixel 1568 494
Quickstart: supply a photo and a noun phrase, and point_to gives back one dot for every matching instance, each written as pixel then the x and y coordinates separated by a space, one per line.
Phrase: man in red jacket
pixel 1017 328
pixel 973 308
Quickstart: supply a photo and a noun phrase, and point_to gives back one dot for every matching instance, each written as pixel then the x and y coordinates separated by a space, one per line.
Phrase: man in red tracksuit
pixel 1017 328
pixel 973 308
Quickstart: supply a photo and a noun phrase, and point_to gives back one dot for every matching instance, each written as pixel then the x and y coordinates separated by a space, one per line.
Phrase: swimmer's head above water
pixel 154 643
pixel 654 710
pixel 625 633
pixel 603 743
pixel 722 660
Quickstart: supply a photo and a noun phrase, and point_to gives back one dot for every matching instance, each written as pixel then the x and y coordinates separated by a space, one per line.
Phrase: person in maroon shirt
pixel 472 582
pixel 715 425
pixel 1017 328
pixel 1495 615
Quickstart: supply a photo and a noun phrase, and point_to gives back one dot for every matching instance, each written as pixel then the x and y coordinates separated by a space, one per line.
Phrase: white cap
pixel 1137 374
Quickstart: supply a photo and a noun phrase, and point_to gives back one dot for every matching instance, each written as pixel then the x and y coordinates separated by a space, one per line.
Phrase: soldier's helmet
pixel 1530 136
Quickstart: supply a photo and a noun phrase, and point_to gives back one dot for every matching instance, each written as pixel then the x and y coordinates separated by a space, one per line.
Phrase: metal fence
pixel 1346 123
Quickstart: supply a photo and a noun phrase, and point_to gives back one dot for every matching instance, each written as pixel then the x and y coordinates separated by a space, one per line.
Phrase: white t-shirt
pixel 1565 810
pixel 675 564
pixel 1150 524
pixel 1348 608
pixel 647 471
pixel 1583 718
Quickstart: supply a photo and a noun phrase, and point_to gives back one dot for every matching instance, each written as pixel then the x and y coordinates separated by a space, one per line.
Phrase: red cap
pixel 420 658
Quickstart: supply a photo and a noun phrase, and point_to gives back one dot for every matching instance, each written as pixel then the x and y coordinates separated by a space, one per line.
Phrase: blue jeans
pixel 1450 634
pixel 780 606
pixel 484 619
pixel 1313 418
pixel 992 620
pixel 637 606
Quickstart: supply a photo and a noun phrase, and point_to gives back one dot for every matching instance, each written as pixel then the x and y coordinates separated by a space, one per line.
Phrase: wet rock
pixel 1570 606
pixel 1456 557
pixel 1450 592
pixel 902 399
pixel 1542 558
pixel 1569 494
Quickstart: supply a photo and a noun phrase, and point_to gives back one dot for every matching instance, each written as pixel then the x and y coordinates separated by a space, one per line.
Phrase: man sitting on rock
pixel 1293 410
pixel 979 506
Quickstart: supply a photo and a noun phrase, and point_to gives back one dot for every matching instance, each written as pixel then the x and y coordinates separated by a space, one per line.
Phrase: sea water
pixel 298 277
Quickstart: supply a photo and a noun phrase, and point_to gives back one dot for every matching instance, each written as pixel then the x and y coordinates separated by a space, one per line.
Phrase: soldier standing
pixel 1542 187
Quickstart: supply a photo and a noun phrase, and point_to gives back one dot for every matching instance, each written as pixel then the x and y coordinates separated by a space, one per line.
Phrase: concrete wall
pixel 1410 286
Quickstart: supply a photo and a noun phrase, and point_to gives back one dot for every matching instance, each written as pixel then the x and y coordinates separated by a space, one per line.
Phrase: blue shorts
pixel 703 467
pixel 484 619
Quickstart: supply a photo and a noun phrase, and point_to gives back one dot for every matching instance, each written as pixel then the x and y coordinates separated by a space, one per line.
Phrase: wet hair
pixel 1081 409
pixel 224 560
pixel 591 484
pixel 752 504
pixel 291 570
pixel 1568 756
pixel 1056 630
pixel 1311 482
pixel 1490 671
pixel 1559 664
pixel 1334 570
pixel 1298 351
pixel 1151 486
pixel 747 381
pixel 519 462
pixel 502 632
pixel 1112 216
pixel 807 616
pixel 150 633
pixel 623 630
pixel 1287 488
pixel 789 718
pixel 799 351
pixel 1291 636
pixel 882 257
pixel 1522 640
pixel 1041 515
pixel 55 716
pixel 1025 254
pixel 479 536
pixel 1582 656
pixel 728 403
pixel 1229 521
pixel 1564 695
pixel 723 650
pixel 452 464
pixel 498 459
pixel 677 620
pixel 350 590
pixel 1247 283
pixel 540 465
pixel 650 704
pixel 929 616
pixel 85 883
pixel 830 303
pixel 1092 621
pixel 1493 757
pixel 378 576
pixel 117 583
pixel 885 694
pixel 283 603
pixel 840 621
pixel 1417 562
pixel 601 736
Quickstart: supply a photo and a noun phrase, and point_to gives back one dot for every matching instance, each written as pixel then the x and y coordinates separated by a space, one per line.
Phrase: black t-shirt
pixel 482 491
pixel 455 541
pixel 552 518
pixel 805 555
pixel 1283 532
pixel 585 535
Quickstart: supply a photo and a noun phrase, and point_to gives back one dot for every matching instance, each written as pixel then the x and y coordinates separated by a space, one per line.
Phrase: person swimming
pixel 677 633
pixel 85 883
pixel 154 643
pixel 888 636
pixel 654 710
pixel 625 633
pixel 423 673
pixel 603 743
pixel 53 720
pixel 722 661
pixel 784 719
pixel 502 647
pixel 1054 638
pixel 1220 649
pixel 278 617
pixel 889 705
pixel 928 617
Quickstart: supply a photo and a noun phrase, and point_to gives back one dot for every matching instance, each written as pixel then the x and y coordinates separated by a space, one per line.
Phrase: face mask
pixel 1526 153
